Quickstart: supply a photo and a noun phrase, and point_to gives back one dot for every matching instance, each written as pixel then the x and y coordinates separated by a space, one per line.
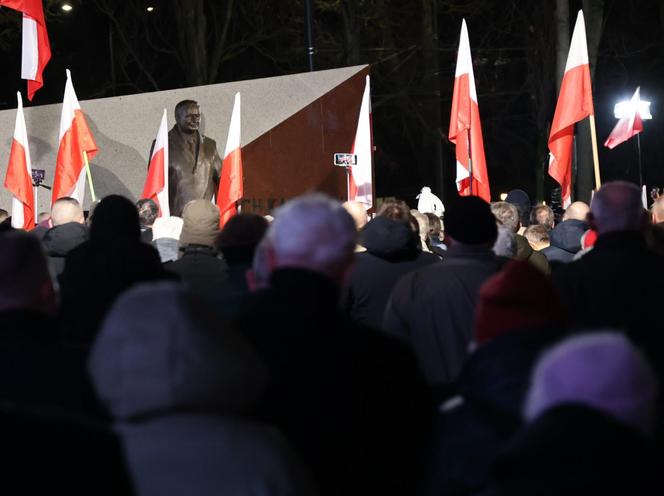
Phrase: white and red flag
pixel 466 128
pixel 628 126
pixel 361 179
pixel 36 50
pixel 575 103
pixel 156 182
pixel 75 142
pixel 231 182
pixel 18 180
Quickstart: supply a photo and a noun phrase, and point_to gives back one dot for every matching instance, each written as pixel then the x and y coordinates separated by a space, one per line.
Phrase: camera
pixel 38 176
pixel 345 159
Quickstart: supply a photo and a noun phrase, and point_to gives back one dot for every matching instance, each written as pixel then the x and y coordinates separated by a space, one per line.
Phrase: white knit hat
pixel 167 227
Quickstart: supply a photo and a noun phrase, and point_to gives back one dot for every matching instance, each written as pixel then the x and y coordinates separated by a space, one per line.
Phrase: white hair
pixel 314 232
pixel 617 206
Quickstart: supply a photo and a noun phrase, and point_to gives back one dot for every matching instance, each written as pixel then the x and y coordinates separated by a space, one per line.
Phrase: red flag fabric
pixel 75 139
pixel 465 126
pixel 231 182
pixel 627 126
pixel 36 51
pixel 18 180
pixel 361 178
pixel 156 182
pixel 575 103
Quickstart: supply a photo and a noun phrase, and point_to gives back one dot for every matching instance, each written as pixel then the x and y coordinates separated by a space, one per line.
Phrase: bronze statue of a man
pixel 194 164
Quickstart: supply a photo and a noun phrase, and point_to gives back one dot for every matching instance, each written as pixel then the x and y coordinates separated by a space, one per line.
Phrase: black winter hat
pixel 469 220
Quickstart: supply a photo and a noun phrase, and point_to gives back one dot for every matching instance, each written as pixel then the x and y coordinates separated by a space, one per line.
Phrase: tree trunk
pixel 562 39
pixel 192 29
pixel 431 85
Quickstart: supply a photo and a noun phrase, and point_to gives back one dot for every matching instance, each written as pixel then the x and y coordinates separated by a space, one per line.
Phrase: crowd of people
pixel 499 349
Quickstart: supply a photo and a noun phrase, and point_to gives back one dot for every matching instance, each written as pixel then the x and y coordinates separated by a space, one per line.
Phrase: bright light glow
pixel 66 7
pixel 503 196
pixel 150 9
pixel 626 109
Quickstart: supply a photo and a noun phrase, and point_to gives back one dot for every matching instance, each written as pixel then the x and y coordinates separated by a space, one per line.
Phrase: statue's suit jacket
pixel 191 175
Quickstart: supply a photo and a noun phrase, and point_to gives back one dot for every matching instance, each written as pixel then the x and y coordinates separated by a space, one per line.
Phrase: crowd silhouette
pixel 493 349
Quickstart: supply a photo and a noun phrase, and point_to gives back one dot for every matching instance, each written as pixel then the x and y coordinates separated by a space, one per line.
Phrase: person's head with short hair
pixel 396 210
pixel 469 221
pixel 147 212
pixel 66 209
pixel 657 210
pixel 188 116
pixel 239 237
pixel 435 226
pixel 312 232
pixel 25 282
pixel 358 211
pixel 200 223
pixel 577 210
pixel 423 227
pixel 422 222
pixel 114 218
pixel 538 236
pixel 4 215
pixel 602 370
pixel 507 215
pixel 617 206
pixel 542 215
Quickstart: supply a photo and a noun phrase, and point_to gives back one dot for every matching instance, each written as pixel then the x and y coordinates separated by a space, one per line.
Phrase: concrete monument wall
pixel 291 126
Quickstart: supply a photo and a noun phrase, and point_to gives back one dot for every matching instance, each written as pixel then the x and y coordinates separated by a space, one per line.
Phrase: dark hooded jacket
pixel 575 450
pixel 60 240
pixel 525 252
pixel 565 241
pixel 485 413
pixel 392 251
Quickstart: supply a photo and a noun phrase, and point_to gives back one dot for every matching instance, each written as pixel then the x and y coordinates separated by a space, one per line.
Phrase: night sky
pixel 631 54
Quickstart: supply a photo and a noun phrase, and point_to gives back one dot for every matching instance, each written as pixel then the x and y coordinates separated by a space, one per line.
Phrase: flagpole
pixel 638 148
pixel 470 163
pixel 593 137
pixel 347 182
pixel 89 174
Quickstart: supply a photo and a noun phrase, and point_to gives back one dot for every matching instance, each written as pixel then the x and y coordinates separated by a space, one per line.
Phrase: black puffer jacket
pixel 392 251
pixel 60 240
pixel 565 241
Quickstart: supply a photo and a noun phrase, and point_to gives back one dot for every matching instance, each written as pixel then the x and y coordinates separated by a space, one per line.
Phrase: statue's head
pixel 188 116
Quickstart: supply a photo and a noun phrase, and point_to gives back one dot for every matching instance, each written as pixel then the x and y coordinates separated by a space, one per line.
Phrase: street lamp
pixel 627 108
